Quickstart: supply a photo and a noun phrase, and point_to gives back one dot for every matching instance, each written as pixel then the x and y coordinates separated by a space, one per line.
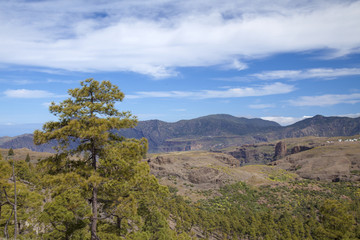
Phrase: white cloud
pixel 62 81
pixel 284 121
pixel 326 73
pixel 351 115
pixel 261 106
pixel 15 81
pixel 237 65
pixel 26 93
pixel 264 90
pixel 326 100
pixel 156 37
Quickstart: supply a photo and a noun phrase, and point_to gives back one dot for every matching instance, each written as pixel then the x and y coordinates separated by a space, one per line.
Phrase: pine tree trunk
pixel 118 222
pixel 94 215
pixel 94 196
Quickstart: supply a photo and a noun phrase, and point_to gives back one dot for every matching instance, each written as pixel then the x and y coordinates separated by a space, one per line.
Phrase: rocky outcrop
pixel 252 154
pixel 206 175
pixel 335 162
pixel 280 150
pixel 298 149
pixel 228 160
pixel 160 160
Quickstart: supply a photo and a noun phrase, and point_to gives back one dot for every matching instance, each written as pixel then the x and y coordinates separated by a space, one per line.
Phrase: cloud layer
pixel 25 93
pixel 284 121
pixel 325 73
pixel 157 38
pixel 326 100
pixel 271 89
pixel 29 93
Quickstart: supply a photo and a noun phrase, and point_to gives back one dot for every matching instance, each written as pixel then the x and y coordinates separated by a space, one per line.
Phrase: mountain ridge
pixel 215 132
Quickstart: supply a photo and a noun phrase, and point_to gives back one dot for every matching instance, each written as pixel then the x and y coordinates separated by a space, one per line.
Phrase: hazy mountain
pixel 163 136
pixel 216 132
pixel 24 141
pixel 321 126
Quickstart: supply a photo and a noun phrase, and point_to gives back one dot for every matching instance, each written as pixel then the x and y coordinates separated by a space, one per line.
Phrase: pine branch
pixel 22 180
pixel 7 199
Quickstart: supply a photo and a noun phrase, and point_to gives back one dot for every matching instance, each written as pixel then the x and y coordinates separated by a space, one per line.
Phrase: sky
pixel 281 60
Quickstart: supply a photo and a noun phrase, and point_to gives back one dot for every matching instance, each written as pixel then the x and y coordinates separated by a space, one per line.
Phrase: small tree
pixel 27 159
pixel 88 118
pixel 11 152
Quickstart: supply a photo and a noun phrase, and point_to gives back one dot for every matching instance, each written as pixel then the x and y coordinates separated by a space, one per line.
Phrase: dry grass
pixel 325 162
pixel 20 154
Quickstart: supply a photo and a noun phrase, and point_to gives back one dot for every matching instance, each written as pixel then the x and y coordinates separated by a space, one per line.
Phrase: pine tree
pixel 5 173
pixel 14 204
pixel 88 118
pixel 28 203
pixel 11 152
pixel 27 159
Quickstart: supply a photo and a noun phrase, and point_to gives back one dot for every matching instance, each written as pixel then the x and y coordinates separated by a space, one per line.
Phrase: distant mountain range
pixel 215 132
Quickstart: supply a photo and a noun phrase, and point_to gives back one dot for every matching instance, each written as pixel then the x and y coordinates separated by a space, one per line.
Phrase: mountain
pixel 200 133
pixel 321 126
pixel 25 141
pixel 216 132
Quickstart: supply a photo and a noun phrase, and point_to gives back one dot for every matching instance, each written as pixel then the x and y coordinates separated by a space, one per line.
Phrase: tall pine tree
pixel 88 119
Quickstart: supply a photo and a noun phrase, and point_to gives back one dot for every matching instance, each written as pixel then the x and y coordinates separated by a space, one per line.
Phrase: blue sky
pixel 281 60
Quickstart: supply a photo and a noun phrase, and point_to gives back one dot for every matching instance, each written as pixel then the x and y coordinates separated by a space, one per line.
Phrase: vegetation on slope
pixel 54 206
pixel 298 210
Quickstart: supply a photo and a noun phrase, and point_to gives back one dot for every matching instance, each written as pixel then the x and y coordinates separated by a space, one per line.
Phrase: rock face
pixel 280 150
pixel 298 149
pixel 252 154
pixel 331 162
pixel 161 160
pixel 206 175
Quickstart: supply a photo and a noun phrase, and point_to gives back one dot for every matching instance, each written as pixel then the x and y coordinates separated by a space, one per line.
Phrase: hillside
pixel 196 171
pixel 318 158
pixel 216 132
pixel 214 195
pixel 333 160
pixel 21 153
